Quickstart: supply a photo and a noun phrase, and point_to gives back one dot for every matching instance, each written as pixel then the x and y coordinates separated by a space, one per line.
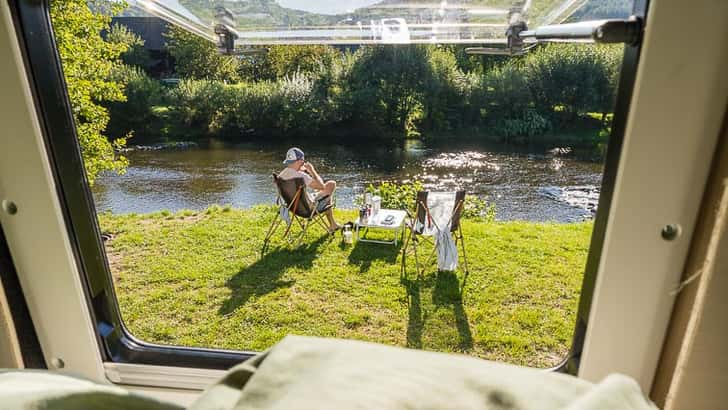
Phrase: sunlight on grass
pixel 198 279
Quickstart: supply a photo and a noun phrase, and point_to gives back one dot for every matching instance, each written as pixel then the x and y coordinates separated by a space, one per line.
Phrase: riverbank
pixel 198 279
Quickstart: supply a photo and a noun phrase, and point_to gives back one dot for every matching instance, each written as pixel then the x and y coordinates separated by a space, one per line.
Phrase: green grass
pixel 198 279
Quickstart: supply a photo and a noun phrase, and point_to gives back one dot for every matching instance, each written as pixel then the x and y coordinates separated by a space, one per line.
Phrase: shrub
pixel 197 58
pixel 526 124
pixel 196 107
pixel 387 85
pixel 478 208
pixel 576 77
pixel 396 196
pixel 139 114
pixel 402 196
pixel 447 95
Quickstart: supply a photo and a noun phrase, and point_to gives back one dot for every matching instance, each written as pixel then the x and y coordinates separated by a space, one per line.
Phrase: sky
pixel 326 6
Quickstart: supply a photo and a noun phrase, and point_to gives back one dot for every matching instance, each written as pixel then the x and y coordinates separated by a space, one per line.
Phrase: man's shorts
pixel 323 203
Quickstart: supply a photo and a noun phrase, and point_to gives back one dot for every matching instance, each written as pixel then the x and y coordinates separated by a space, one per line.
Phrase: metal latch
pixel 519 39
pixel 628 31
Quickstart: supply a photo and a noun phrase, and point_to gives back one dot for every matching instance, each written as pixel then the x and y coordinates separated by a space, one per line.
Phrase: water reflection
pixel 520 181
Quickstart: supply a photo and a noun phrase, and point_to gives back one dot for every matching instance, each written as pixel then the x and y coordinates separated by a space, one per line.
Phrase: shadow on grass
pixel 363 254
pixel 446 291
pixel 416 320
pixel 263 276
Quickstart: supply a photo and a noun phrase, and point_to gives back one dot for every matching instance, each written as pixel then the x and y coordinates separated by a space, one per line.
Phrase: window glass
pixel 181 144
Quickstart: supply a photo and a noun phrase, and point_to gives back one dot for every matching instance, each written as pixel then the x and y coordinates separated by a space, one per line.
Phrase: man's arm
pixel 317 183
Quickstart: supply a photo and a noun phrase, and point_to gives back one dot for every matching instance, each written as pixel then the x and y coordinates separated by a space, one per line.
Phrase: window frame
pixel 115 343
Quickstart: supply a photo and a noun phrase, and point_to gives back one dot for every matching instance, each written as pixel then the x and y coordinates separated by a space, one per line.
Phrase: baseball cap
pixel 293 155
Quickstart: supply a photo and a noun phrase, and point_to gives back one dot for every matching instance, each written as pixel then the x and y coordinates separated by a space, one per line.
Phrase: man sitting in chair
pixel 296 167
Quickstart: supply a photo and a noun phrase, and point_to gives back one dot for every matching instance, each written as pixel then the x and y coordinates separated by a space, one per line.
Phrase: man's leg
pixel 332 222
pixel 329 188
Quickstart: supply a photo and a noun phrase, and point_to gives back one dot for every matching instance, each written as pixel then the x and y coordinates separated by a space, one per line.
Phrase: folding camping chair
pixel 430 217
pixel 294 205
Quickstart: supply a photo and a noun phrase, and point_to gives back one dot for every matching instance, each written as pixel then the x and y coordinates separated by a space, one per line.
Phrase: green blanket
pixel 316 373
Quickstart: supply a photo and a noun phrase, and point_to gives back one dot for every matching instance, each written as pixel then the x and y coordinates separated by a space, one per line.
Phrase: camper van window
pixel 427 177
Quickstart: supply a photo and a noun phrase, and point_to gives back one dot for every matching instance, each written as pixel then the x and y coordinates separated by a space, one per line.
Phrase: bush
pixel 396 196
pixel 386 86
pixel 528 123
pixel 402 196
pixel 197 58
pixel 380 92
pixel 578 78
pixel 478 208
pixel 139 113
pixel 196 107
pixel 447 95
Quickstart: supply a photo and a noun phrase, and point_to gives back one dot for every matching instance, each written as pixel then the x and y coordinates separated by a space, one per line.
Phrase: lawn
pixel 198 279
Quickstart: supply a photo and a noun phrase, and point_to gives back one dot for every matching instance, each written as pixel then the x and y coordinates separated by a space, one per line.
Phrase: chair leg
pixel 403 270
pixel 431 257
pixel 409 242
pixel 462 245
pixel 319 220
pixel 302 235
pixel 465 260
pixel 271 230
pixel 287 233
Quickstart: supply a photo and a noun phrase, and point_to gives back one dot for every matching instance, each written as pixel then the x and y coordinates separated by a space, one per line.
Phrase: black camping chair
pixel 422 223
pixel 293 201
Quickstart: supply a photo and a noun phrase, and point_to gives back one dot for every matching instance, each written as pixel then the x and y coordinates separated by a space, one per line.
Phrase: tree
pixel 388 83
pixel 307 59
pixel 88 62
pixel 574 78
pixel 136 54
pixel 198 58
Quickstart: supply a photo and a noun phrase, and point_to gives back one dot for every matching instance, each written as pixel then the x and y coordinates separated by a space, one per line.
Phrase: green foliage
pixel 448 94
pixel 579 78
pixel 198 58
pixel 402 196
pixel 196 107
pixel 386 86
pixel 384 92
pixel 88 62
pixel 138 114
pixel 478 209
pixel 287 107
pixel 396 196
pixel 310 60
pixel 135 55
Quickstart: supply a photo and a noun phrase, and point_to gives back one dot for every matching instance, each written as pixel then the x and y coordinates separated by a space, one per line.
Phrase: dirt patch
pixel 186 219
pixel 114 258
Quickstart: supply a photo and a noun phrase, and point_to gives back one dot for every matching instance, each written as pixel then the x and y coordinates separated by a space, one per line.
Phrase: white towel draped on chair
pixel 447 251
pixel 440 205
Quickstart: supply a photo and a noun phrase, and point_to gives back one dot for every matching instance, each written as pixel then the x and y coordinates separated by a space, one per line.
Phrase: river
pixel 533 183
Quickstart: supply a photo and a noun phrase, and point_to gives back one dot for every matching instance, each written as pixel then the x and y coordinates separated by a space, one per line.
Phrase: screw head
pixel 58 363
pixel 9 207
pixel 671 231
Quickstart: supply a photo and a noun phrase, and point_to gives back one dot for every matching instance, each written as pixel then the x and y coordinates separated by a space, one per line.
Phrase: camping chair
pixel 432 213
pixel 294 205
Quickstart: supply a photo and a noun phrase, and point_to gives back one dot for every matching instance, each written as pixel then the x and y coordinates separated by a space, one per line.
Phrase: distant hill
pixel 603 9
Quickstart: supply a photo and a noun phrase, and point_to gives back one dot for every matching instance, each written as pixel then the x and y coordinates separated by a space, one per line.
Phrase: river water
pixel 533 184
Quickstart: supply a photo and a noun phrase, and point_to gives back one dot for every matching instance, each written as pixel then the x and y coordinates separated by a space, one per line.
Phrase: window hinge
pixel 627 31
